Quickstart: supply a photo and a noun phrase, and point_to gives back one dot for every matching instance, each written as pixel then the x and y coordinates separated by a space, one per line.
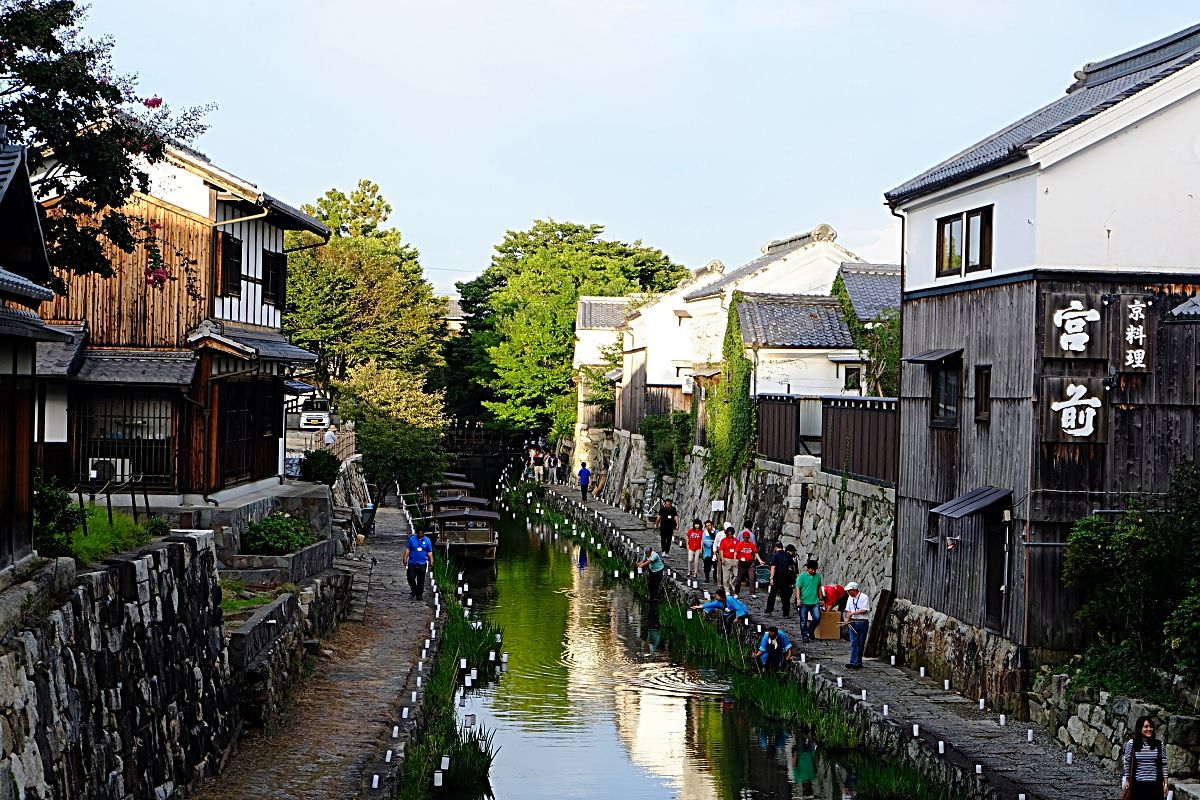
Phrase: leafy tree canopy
pixel 90 133
pixel 360 213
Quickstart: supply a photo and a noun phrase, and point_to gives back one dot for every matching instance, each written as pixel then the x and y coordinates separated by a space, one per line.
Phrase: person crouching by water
pixel 858 610
pixel 730 606
pixel 1145 764
pixel 654 566
pixel 418 556
pixel 774 648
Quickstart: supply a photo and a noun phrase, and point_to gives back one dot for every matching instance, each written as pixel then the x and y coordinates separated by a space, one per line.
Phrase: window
pixel 853 379
pixel 231 265
pixel 933 534
pixel 964 242
pixel 274 277
pixel 943 398
pixel 983 393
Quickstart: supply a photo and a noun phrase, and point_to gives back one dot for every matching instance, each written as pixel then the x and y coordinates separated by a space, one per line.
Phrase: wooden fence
pixel 788 426
pixel 634 405
pixel 594 416
pixel 343 448
pixel 860 436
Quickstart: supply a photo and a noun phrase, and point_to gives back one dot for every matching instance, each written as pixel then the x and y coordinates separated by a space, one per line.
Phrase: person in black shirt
pixel 666 520
pixel 783 579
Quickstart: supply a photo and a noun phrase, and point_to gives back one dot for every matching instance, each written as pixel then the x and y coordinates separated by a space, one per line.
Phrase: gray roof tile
pixel 1098 87
pixel 163 368
pixel 772 251
pixel 270 345
pixel 873 288
pixel 24 324
pixel 1189 308
pixel 600 313
pixel 61 359
pixel 22 288
pixel 793 320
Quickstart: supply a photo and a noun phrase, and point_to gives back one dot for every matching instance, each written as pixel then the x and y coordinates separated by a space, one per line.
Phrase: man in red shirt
pixel 695 540
pixel 833 597
pixel 728 548
pixel 747 557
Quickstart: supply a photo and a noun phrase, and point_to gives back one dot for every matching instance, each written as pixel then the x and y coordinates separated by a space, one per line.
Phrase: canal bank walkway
pixel 336 735
pixel 1012 765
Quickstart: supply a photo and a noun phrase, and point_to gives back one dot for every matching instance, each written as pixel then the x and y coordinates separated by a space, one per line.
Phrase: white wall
pixel 1128 202
pixel 256 235
pixel 56 413
pixel 803 372
pixel 1013 229
pixel 667 339
pixel 177 186
pixel 588 344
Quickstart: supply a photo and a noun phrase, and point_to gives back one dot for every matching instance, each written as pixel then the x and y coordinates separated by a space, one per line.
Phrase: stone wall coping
pixel 256 634
pixel 51 581
pixel 773 466
pixel 873 490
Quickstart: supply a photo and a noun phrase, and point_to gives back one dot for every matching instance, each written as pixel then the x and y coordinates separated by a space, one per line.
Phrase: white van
pixel 314 414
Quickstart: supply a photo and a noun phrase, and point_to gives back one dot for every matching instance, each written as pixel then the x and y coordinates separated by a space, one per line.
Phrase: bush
pixel 320 466
pixel 1183 633
pixel 277 535
pixel 55 517
pixel 157 527
pixel 660 448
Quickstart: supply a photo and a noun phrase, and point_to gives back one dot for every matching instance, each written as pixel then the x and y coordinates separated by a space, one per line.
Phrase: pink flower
pixel 152 102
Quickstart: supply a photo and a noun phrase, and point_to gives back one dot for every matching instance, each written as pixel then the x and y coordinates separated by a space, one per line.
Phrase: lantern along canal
pixel 592 705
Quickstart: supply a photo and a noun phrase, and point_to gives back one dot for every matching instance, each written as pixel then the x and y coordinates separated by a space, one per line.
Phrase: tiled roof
pixel 873 288
pixel 24 324
pixel 271 345
pixel 600 313
pixel 61 359
pixel 22 288
pixel 772 251
pixel 793 320
pixel 173 368
pixel 1098 86
pixel 12 156
pixel 1189 309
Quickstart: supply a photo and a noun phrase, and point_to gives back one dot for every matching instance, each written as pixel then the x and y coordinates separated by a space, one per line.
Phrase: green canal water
pixel 592 706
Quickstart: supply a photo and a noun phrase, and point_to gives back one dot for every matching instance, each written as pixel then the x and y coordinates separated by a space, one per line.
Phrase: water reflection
pixel 592 705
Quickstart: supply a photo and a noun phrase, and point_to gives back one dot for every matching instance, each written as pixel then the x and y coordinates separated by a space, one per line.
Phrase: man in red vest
pixel 747 557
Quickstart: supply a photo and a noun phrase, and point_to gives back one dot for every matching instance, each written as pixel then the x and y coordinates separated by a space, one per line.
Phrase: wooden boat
pixel 464 503
pixel 450 488
pixel 455 476
pixel 468 532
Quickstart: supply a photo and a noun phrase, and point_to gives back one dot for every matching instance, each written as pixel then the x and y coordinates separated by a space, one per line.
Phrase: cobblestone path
pixel 1012 764
pixel 344 711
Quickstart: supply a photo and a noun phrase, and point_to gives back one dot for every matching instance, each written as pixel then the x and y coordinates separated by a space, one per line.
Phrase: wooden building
pixel 177 385
pixel 1050 347
pixel 23 271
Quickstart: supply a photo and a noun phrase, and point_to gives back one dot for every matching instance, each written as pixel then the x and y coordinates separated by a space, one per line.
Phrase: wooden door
pixel 996 553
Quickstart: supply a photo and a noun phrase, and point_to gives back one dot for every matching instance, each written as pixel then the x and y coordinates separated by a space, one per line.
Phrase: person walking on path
pixel 417 558
pixel 551 469
pixel 1144 760
pixel 707 542
pixel 808 600
pixel 858 608
pixel 654 571
pixel 330 437
pixel 783 578
pixel 539 466
pixel 585 475
pixel 695 545
pixel 773 649
pixel 728 548
pixel 747 558
pixel 666 519
pixel 723 602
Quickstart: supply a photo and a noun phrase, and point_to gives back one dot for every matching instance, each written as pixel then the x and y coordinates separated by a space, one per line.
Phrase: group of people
pixel 544 465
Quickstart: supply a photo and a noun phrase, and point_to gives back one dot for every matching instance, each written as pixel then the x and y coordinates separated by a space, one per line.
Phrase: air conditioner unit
pixel 116 470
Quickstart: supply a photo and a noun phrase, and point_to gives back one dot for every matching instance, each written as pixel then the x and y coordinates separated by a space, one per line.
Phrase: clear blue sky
pixel 703 127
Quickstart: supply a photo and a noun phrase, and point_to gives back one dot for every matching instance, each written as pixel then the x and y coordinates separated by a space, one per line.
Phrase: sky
pixel 702 127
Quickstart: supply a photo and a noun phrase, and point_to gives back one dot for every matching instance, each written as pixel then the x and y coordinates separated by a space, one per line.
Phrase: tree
pixel 364 295
pixel 522 313
pixel 90 134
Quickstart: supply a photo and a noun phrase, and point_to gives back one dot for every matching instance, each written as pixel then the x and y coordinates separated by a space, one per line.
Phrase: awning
pixel 480 502
pixel 455 476
pixel 613 375
pixel 707 372
pixel 973 502
pixel 933 356
pixel 478 514
pixel 298 387
pixel 266 344
pixel 137 366
pixel 27 325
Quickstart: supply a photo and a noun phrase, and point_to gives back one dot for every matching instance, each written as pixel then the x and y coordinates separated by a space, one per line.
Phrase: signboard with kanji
pixel 1074 410
pixel 1074 326
pixel 1135 333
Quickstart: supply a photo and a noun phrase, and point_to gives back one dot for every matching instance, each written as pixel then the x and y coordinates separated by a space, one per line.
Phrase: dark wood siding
pixel 17 397
pixel 861 437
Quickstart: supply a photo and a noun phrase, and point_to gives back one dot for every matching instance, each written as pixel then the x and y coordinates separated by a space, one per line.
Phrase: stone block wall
pixel 229 523
pixel 847 527
pixel 1100 723
pixel 291 568
pixel 981 664
pixel 120 689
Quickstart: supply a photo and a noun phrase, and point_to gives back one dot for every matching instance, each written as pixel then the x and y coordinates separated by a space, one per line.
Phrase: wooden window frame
pixel 274 278
pixel 985 215
pixel 230 255
pixel 935 373
pixel 846 379
pixel 983 396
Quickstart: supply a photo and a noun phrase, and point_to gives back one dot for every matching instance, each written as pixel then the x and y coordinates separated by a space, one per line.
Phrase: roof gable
pixel 600 313
pixel 772 252
pixel 793 321
pixel 872 288
pixel 1097 87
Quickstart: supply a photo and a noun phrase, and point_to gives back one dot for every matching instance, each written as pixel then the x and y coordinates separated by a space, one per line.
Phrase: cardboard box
pixel 830 625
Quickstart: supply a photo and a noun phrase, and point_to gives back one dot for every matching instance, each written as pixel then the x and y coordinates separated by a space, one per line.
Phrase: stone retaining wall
pixel 122 688
pixel 848 528
pixel 230 523
pixel 273 570
pixel 267 651
pixel 1100 723
pixel 981 663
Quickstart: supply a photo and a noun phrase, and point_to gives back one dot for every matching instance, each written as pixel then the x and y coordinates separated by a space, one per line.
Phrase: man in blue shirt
pixel 730 605
pixel 654 563
pixel 418 557
pixel 774 648
pixel 585 475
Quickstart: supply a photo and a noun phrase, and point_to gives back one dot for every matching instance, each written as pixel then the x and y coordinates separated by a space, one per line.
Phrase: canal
pixel 592 704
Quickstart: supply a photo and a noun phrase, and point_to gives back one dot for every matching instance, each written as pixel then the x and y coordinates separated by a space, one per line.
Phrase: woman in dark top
pixel 1145 759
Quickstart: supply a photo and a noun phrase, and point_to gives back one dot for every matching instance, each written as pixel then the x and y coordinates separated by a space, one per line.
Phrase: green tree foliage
pixel 90 133
pixel 1137 574
pixel 731 410
pixel 363 296
pixel 277 535
pixel 597 390
pixel 879 340
pixel 668 439
pixel 55 516
pixel 522 312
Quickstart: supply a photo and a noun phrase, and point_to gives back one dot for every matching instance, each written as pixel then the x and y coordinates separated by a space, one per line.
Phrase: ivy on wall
pixel 879 340
pixel 731 409
pixel 668 440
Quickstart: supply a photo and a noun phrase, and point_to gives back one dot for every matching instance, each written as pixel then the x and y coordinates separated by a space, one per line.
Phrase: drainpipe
pixel 241 219
pixel 899 399
pixel 287 250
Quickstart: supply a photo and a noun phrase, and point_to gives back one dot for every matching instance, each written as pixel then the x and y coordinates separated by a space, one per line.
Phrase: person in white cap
pixel 858 612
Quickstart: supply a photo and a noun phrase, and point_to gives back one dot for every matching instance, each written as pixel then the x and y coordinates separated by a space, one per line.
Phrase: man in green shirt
pixel 808 600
